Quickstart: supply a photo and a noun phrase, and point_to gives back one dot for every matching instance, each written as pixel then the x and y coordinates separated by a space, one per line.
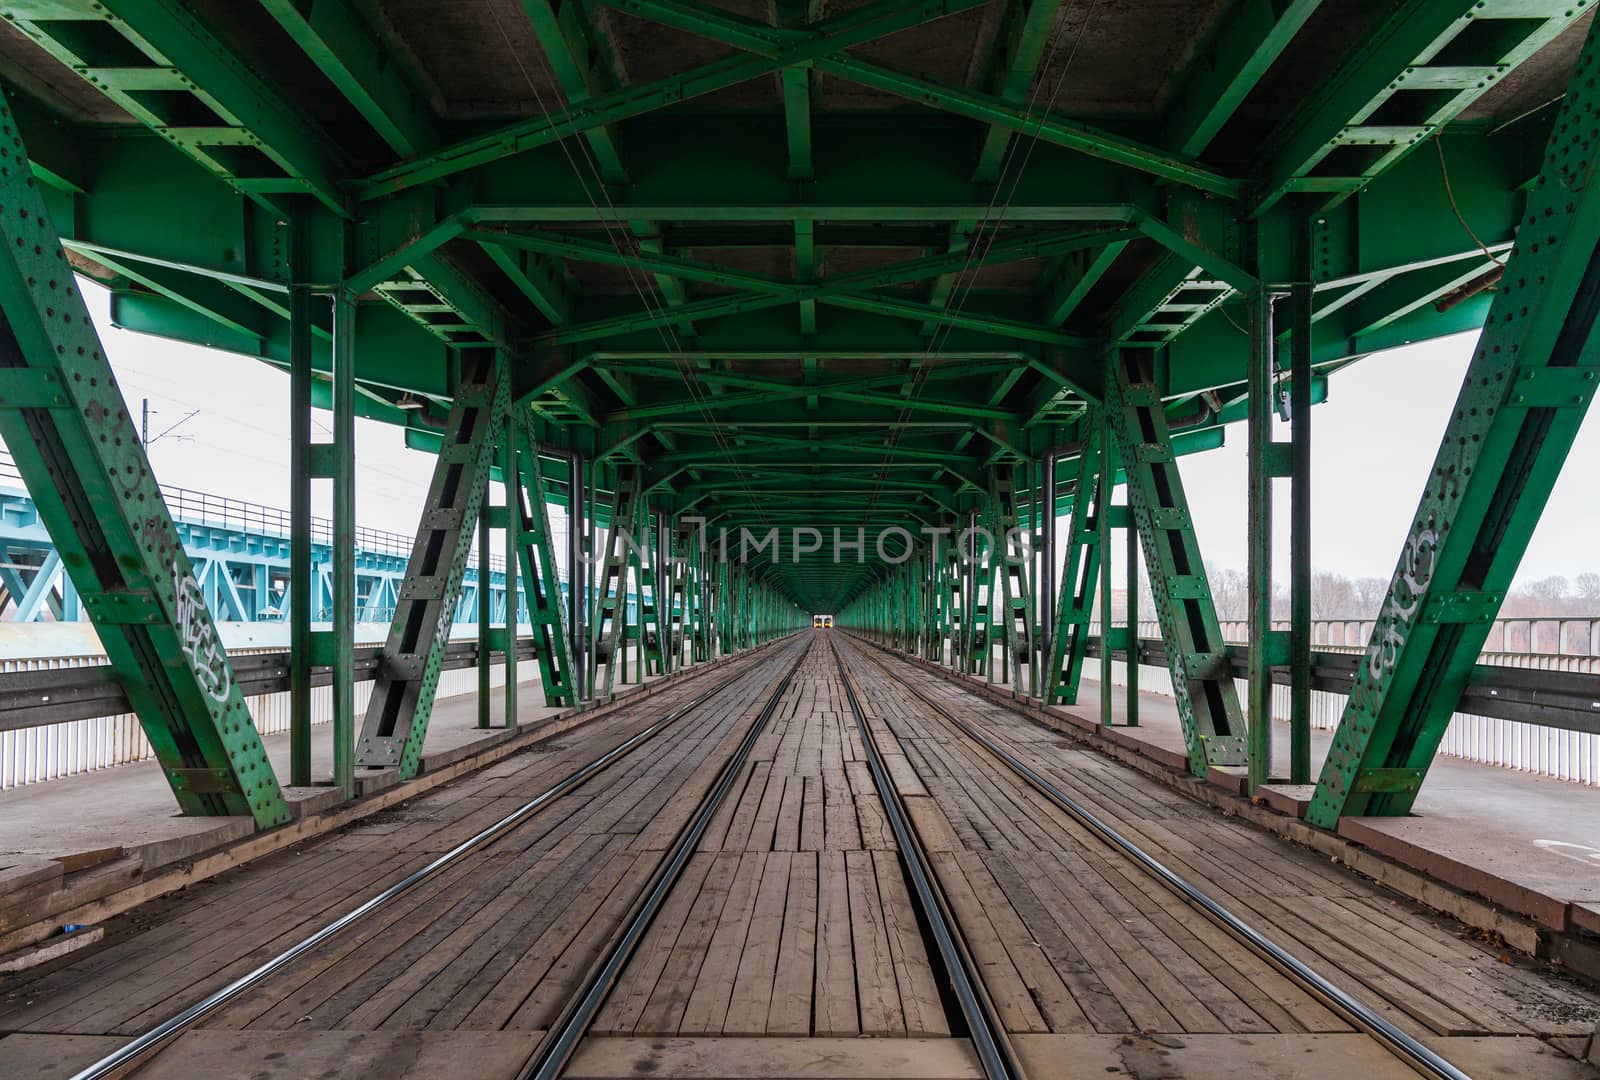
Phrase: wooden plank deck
pixel 496 941
pixel 794 917
pixel 793 926
pixel 1074 937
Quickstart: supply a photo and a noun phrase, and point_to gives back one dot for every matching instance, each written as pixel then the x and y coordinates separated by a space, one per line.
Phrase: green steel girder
pixel 187 58
pixel 64 420
pixel 841 32
pixel 1069 638
pixel 1208 704
pixel 407 679
pixel 1427 55
pixel 1526 391
pixel 1226 67
pixel 776 46
pixel 535 543
pixel 346 49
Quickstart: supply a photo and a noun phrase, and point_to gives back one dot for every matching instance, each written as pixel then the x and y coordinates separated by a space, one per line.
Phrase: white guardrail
pixel 1509 744
pixel 54 751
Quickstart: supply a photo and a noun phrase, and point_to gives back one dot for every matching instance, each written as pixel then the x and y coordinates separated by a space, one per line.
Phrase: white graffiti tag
pixel 1405 597
pixel 201 646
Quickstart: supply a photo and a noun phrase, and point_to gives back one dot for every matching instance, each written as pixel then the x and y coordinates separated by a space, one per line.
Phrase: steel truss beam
pixel 1081 571
pixel 1208 704
pixel 1525 394
pixel 1013 608
pixel 67 426
pixel 541 586
pixel 402 696
pixel 773 44
pixel 832 35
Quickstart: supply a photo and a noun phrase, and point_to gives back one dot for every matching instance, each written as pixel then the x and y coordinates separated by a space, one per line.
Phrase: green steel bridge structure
pixel 712 270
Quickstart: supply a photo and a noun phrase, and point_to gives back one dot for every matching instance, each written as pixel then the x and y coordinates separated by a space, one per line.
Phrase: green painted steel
pixel 1208 704
pixel 408 677
pixel 624 561
pixel 1069 641
pixel 1013 606
pixel 1526 390
pixel 541 586
pixel 65 422
pixel 779 310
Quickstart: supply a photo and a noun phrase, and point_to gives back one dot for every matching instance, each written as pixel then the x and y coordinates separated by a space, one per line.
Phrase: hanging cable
pixel 979 245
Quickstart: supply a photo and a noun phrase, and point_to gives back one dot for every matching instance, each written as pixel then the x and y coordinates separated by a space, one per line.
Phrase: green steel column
pixel 541 584
pixel 485 641
pixel 510 476
pixel 1131 708
pixel 1108 485
pixel 300 300
pixel 1258 383
pixel 1302 298
pixel 344 541
pixel 1202 680
pixel 1080 572
pixel 396 724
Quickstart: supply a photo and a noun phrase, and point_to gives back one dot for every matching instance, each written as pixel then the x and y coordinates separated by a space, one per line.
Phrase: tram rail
pixel 153 1039
pixel 1408 1049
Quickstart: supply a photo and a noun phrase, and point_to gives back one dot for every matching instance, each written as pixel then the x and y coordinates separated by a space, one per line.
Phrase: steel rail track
pixel 984 1026
pixel 561 1041
pixel 1407 1048
pixel 153 1039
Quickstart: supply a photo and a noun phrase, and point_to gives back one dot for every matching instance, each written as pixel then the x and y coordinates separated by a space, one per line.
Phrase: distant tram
pixel 822 622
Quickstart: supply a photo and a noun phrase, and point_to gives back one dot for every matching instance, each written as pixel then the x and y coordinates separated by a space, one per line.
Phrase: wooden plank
pixel 764 826
pixel 786 834
pixel 876 988
pixel 835 1008
pixel 622 1008
pixel 758 962
pixel 663 1010
pixel 1013 1003
pixel 919 990
pixel 811 814
pixel 543 1006
pixel 775 1059
pixel 933 828
pixel 789 1012
pixel 713 987
pixel 842 831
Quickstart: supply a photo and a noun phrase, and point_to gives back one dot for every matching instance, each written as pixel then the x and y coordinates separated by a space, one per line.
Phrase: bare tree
pixel 1370 593
pixel 1230 591
pixel 1333 596
pixel 1548 590
pixel 1589 586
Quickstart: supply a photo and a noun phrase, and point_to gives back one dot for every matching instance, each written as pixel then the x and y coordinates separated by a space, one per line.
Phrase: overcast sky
pixel 1373 444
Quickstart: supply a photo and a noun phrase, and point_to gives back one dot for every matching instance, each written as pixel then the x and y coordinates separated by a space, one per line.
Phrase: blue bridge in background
pixel 240 552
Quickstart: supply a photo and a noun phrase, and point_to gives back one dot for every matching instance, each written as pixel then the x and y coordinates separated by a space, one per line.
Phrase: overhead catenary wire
pixel 625 247
pixel 977 245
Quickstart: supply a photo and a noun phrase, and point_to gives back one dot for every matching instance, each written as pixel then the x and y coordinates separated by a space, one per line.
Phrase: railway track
pixel 1392 1038
pixel 557 1047
pixel 856 876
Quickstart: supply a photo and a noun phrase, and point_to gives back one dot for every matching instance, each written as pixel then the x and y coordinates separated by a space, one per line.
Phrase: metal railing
pixel 239 515
pixel 1546 726
pixel 61 716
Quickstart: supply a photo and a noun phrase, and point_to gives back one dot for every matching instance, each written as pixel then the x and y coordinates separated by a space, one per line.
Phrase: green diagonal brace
pixel 1069 641
pixel 64 419
pixel 1202 682
pixel 1524 397
pixel 541 588
pixel 408 673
